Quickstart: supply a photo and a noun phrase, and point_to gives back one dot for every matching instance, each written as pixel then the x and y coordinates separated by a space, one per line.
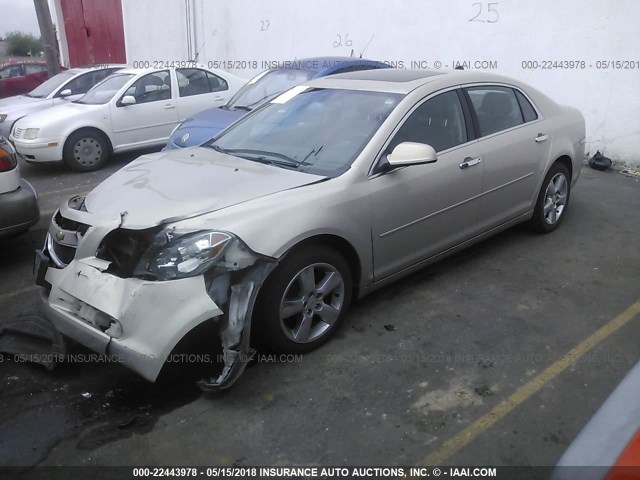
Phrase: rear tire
pixel 86 151
pixel 303 301
pixel 553 200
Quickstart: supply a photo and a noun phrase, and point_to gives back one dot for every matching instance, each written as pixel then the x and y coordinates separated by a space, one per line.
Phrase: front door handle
pixel 542 137
pixel 218 98
pixel 169 107
pixel 470 162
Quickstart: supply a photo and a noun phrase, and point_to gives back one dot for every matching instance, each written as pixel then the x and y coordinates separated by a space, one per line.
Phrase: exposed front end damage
pixel 132 295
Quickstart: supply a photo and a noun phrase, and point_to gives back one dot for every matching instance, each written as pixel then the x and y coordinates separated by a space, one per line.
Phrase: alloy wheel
pixel 555 198
pixel 312 302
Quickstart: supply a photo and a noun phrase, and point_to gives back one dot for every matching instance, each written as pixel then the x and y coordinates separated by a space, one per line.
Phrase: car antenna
pixel 195 57
pixel 367 45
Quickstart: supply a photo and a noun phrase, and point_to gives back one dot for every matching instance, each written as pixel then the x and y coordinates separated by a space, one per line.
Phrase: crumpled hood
pixel 185 183
pixel 203 126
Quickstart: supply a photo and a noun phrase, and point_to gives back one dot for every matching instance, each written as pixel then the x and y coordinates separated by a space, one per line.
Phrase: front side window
pixel 48 87
pixel 319 131
pixel 106 90
pixel 80 84
pixel 438 122
pixel 496 108
pixel 12 71
pixel 153 87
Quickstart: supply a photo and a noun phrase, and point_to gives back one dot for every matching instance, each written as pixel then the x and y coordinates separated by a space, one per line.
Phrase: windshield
pixel 47 88
pixel 266 85
pixel 319 131
pixel 106 89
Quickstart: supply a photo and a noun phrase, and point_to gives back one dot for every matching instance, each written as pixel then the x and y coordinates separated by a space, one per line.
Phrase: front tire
pixel 86 151
pixel 553 199
pixel 303 301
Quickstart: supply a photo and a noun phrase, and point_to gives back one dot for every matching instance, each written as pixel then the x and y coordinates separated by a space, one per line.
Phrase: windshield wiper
pixel 259 156
pixel 241 107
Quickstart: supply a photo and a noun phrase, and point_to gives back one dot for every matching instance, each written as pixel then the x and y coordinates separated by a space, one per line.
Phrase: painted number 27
pixel 490 14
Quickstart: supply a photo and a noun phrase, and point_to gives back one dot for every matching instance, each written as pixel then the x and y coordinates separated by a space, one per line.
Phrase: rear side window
pixel 194 81
pixel 496 108
pixel 33 68
pixel 528 112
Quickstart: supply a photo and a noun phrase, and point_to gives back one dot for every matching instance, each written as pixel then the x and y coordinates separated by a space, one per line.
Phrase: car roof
pixel 393 80
pixel 135 71
pixel 22 62
pixel 324 65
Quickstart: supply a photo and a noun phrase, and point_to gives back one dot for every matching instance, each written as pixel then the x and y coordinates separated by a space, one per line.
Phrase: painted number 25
pixel 490 15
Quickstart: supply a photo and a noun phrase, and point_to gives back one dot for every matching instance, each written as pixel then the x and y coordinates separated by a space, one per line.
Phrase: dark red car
pixel 21 77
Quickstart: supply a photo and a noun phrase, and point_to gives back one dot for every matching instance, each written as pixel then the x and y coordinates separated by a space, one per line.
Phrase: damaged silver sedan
pixel 319 196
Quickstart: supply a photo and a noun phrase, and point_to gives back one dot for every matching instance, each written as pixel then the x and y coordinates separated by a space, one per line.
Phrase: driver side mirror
pixel 411 153
pixel 128 100
pixel 66 92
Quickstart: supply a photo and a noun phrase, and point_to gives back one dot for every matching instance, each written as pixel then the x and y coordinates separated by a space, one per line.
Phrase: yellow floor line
pixel 457 442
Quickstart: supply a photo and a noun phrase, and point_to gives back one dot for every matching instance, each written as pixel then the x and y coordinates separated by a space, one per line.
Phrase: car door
pixel 421 210
pixel 514 143
pixel 35 74
pixel 12 80
pixel 152 118
pixel 199 90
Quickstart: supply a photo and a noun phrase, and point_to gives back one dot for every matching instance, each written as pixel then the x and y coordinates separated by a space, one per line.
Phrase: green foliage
pixel 22 44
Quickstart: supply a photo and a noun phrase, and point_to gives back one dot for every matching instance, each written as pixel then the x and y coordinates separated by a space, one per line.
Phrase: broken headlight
pixel 184 256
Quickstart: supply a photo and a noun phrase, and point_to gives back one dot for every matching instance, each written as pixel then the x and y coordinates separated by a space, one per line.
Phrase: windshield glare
pixel 318 131
pixel 268 85
pixel 105 90
pixel 47 88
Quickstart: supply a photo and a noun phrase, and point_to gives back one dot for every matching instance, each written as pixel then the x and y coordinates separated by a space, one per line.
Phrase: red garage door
pixel 94 31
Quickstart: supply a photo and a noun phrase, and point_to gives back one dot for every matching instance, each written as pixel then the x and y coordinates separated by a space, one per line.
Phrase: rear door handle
pixel 542 137
pixel 218 98
pixel 470 162
pixel 169 107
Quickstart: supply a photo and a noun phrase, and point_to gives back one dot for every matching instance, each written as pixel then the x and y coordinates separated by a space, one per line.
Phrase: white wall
pixel 507 32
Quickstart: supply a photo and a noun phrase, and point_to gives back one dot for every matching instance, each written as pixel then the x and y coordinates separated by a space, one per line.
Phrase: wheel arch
pixel 342 246
pixel 89 129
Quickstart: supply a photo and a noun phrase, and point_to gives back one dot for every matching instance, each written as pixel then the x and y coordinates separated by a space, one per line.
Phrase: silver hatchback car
pixel 329 191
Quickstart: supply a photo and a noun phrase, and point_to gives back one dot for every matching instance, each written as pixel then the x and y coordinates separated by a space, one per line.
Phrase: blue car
pixel 203 126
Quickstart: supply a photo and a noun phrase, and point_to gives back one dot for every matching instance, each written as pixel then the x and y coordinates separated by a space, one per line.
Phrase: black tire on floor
pixel 98 148
pixel 538 222
pixel 266 325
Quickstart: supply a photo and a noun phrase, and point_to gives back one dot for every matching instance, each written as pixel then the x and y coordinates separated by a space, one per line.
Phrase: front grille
pixel 67 224
pixel 124 248
pixel 62 254
pixel 69 230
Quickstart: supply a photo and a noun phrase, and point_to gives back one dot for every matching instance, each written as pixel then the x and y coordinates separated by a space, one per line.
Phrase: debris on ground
pixel 390 328
pixel 87 395
pixel 32 338
pixel 484 391
pixel 600 162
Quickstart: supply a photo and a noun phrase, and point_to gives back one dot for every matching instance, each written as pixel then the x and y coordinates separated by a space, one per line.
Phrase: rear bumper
pixel 132 321
pixel 18 210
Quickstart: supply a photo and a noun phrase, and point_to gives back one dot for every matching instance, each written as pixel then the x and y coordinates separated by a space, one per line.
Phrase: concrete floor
pixel 468 332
